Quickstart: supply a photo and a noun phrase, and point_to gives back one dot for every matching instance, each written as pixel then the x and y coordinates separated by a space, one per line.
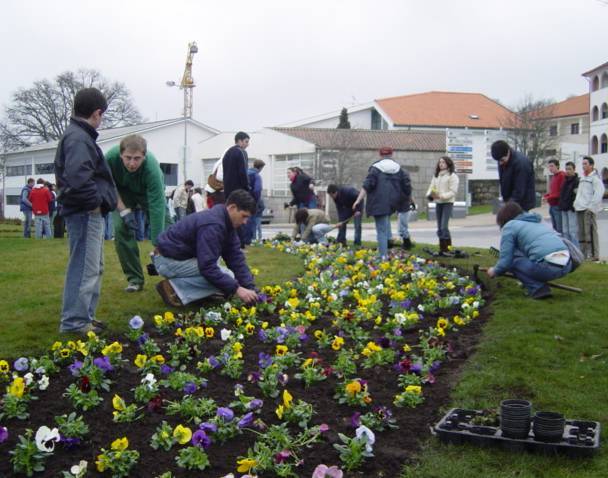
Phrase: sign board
pixel 459 147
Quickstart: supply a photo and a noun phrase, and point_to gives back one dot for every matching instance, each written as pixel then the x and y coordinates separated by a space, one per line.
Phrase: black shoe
pixel 99 324
pixel 542 293
pixel 407 244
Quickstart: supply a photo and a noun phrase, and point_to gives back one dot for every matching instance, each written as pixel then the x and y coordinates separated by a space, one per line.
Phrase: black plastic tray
pixel 581 438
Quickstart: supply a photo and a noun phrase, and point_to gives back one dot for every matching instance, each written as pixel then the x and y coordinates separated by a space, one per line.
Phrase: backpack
pixel 576 255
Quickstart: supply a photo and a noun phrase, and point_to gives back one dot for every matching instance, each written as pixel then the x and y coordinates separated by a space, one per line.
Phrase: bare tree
pixel 528 130
pixel 40 113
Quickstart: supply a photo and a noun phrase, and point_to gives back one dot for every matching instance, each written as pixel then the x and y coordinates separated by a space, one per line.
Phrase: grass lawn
pixel 552 352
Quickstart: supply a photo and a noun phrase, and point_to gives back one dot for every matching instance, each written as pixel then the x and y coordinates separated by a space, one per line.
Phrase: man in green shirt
pixel 140 182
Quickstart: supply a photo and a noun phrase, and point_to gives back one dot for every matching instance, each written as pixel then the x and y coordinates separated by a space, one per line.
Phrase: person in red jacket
pixel 552 197
pixel 41 197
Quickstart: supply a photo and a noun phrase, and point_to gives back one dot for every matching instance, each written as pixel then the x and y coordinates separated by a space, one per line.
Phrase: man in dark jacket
pixel 25 206
pixel 344 197
pixel 566 204
pixel 188 253
pixel 234 165
pixel 515 174
pixel 388 189
pixel 87 193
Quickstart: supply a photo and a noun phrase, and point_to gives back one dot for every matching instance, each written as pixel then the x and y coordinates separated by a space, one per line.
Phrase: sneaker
pixel 134 287
pixel 542 293
pixel 168 294
pixel 85 329
pixel 99 324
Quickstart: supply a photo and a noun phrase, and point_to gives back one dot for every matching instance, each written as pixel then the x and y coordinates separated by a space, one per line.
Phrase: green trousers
pixel 128 250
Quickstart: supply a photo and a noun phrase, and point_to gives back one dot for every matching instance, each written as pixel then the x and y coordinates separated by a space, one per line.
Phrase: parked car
pixel 267 216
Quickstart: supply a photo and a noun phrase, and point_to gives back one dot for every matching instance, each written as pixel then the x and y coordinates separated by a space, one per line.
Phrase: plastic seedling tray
pixel 581 438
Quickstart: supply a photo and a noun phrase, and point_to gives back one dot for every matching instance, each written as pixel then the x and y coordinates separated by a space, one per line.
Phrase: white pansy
pixel 368 435
pixel 225 334
pixel 29 378
pixel 421 307
pixel 46 438
pixel 149 380
pixel 79 470
pixel 43 383
pixel 227 306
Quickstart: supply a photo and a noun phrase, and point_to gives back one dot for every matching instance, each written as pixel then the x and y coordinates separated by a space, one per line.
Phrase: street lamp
pixel 187 84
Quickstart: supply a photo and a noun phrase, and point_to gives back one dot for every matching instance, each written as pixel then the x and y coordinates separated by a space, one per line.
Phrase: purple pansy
pixel 225 414
pixel 165 369
pixel 355 419
pixel 246 420
pixel 264 360
pixel 201 439
pixel 75 368
pixel 21 364
pixel 255 404
pixel 3 434
pixel 190 388
pixel 208 427
pixel 136 322
pixel 103 363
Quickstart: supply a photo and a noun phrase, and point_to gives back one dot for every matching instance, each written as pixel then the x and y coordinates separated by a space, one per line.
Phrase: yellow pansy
pixel 264 325
pixel 17 387
pixel 209 332
pixel 279 411
pixel 281 350
pixel 140 360
pixel 293 302
pixel 287 399
pixel 56 345
pixel 249 328
pixel 65 353
pixel 158 320
pixel 442 323
pixel 407 348
pixel 120 444
pixel 118 403
pixel 245 464
pixel 101 463
pixel 169 317
pixel 415 389
pixel 158 359
pixel 182 434
pixel 4 366
pixel 354 387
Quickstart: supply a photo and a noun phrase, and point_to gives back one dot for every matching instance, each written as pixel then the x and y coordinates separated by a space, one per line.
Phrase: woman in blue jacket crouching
pixel 532 251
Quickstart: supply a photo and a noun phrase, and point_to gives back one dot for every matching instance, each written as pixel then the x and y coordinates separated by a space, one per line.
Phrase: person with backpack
pixel 533 252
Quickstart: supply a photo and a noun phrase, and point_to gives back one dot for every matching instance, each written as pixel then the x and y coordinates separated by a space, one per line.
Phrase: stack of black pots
pixel 548 426
pixel 515 418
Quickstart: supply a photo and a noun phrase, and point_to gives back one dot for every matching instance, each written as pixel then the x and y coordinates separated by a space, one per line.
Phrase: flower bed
pixel 341 370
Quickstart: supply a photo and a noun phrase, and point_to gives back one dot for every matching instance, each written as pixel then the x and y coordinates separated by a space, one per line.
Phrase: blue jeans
pixel 404 218
pixel 27 223
pixel 257 220
pixel 186 279
pixel 180 213
pixel 383 230
pixel 84 270
pixel 556 218
pixel 108 227
pixel 443 211
pixel 342 230
pixel 319 233
pixel 570 226
pixel 534 275
pixel 43 226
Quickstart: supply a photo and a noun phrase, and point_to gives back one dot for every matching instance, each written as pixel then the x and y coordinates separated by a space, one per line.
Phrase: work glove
pixel 128 218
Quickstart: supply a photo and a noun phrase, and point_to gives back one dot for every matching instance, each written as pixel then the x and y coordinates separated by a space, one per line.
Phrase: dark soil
pixel 393 448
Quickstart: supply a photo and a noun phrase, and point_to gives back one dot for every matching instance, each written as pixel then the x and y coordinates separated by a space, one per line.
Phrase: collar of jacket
pixel 86 126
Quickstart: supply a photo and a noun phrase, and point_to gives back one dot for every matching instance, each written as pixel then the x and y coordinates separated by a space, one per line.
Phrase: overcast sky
pixel 267 62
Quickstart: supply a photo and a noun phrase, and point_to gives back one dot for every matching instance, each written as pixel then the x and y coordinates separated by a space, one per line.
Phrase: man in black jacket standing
pixel 344 197
pixel 87 193
pixel 234 166
pixel 515 174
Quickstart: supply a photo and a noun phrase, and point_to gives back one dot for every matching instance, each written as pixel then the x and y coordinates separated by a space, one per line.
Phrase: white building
pixel 598 113
pixel 472 121
pixel 568 123
pixel 165 140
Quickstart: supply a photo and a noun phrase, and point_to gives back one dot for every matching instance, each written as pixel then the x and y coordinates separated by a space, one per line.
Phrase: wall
pixel 599 127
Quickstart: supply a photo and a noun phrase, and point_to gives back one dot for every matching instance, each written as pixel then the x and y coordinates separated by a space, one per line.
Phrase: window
pixel 604 144
pixel 574 128
pixel 553 130
pixel 595 83
pixel 376 120
pixel 45 168
pixel 280 183
pixel 22 170
pixel 604 111
pixel 170 172
pixel 604 79
pixel 12 200
pixel 594 145
pixel 595 113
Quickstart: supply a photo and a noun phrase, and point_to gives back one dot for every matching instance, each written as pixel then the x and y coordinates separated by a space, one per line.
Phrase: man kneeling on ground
pixel 533 252
pixel 188 254
pixel 312 226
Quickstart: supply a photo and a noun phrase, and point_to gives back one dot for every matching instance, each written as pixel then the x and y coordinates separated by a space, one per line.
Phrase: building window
pixel 595 113
pixel 12 200
pixel 604 111
pixel 595 83
pixel 280 182
pixel 170 172
pixel 45 168
pixel 22 170
pixel 604 144
pixel 604 79
pixel 553 130
pixel 594 145
pixel 376 120
pixel 574 128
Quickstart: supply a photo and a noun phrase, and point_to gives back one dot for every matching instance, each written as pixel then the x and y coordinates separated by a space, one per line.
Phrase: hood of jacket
pixel 38 186
pixel 387 166
pixel 528 217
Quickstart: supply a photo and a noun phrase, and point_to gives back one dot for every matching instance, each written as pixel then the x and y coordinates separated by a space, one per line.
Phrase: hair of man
pixel 301 215
pixel 87 101
pixel 242 200
pixel 134 142
pixel 240 136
